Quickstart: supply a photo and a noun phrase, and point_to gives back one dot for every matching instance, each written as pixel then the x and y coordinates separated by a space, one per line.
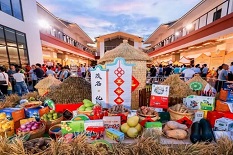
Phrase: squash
pixel 177 134
pixel 195 133
pixel 206 130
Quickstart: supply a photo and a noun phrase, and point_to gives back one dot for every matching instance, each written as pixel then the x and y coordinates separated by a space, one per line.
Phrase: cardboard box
pixel 222 106
pixel 72 127
pixel 14 114
pixel 213 115
pixel 191 102
pixel 159 102
pixel 223 124
pixel 112 122
pixel 36 112
pixel 220 134
pixel 228 86
pixel 206 103
pixel 115 135
pixel 93 123
pixel 199 114
pixel 95 132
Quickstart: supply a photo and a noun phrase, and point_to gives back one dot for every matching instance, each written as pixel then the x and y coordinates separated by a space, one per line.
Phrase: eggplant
pixel 206 130
pixel 195 133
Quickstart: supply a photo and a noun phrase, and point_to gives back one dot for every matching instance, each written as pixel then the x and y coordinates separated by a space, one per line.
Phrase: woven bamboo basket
pixel 174 115
pixel 49 124
pixel 36 133
pixel 153 117
pixel 35 140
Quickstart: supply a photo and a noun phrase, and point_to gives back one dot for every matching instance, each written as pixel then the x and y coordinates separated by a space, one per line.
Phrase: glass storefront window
pixel 12 7
pixel 16 6
pixel 13 47
pixel 3 55
pixel 23 57
pixel 6 6
pixel 13 54
pixel 21 40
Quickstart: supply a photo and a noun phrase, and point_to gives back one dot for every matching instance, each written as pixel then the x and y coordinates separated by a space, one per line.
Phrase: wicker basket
pixel 36 133
pixel 37 139
pixel 53 122
pixel 142 117
pixel 88 113
pixel 35 103
pixel 174 115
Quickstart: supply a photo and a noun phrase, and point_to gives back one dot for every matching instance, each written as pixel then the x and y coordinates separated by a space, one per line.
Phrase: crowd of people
pixel 221 74
pixel 18 80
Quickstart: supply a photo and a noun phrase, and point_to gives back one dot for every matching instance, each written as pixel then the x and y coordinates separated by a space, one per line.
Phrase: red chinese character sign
pixel 99 85
pixel 120 82
pixel 159 96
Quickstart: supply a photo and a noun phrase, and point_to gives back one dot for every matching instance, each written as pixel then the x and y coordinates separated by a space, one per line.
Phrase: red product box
pixel 159 102
pixel 213 115
pixel 228 115
pixel 95 132
pixel 71 107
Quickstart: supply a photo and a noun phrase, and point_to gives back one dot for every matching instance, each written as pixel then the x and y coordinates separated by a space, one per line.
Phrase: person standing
pixel 83 71
pixel 197 69
pixel 20 86
pixel 50 72
pixel 188 73
pixel 230 74
pixel 204 71
pixel 167 70
pixel 222 77
pixel 10 73
pixel 4 81
pixel 153 71
pixel 38 71
pixel 176 70
pixel 33 76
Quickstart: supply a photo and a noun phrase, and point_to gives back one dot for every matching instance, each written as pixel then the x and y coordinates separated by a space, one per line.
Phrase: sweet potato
pixel 166 128
pixel 177 134
pixel 176 125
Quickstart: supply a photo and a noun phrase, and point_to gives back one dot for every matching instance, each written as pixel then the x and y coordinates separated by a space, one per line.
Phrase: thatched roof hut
pixel 132 56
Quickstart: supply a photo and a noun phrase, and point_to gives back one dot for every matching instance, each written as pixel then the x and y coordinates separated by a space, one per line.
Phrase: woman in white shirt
pixel 20 86
pixel 4 81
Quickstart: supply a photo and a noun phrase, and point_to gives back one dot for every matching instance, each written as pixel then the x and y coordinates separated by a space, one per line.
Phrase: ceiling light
pixel 177 33
pixel 43 24
pixel 189 26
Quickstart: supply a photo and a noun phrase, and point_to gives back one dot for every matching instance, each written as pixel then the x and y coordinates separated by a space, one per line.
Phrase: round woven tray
pixel 36 133
pixel 174 115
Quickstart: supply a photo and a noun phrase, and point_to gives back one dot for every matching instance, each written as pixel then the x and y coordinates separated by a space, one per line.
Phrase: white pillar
pixel 101 49
pixel 136 45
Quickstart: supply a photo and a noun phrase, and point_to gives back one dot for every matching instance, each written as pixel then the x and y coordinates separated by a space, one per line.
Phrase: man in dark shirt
pixel 38 71
pixel 168 70
pixel 152 71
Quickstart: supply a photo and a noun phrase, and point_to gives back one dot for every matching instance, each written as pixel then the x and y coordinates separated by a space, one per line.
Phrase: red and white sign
pixel 135 83
pixel 119 82
pixel 159 96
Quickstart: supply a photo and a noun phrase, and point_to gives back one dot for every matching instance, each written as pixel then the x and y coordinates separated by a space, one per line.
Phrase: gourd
pixel 176 134
pixel 206 130
pixel 195 133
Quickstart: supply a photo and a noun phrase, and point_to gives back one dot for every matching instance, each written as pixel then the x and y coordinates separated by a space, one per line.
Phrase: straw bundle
pixel 10 101
pixel 45 84
pixel 178 88
pixel 197 78
pixel 126 51
pixel 72 90
pixel 143 146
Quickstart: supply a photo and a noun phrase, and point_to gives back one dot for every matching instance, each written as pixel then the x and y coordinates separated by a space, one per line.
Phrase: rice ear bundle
pixel 197 78
pixel 72 90
pixel 10 101
pixel 178 88
pixel 47 82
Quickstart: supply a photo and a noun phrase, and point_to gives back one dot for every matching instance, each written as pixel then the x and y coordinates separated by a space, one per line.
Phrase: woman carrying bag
pixel 4 81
